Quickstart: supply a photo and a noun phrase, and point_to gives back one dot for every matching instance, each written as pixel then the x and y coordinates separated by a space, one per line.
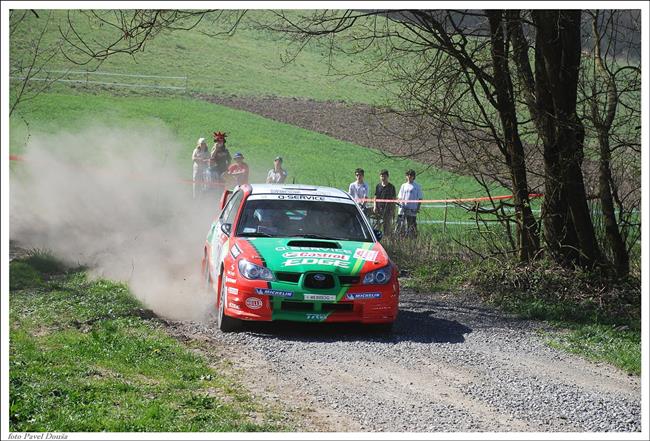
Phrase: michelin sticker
pixel 363 295
pixel 321 297
pixel 273 292
pixel 365 254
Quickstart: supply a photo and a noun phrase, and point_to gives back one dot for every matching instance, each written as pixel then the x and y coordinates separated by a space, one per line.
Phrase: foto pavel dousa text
pixel 30 435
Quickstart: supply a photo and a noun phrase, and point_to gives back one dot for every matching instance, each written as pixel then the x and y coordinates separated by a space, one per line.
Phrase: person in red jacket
pixel 239 170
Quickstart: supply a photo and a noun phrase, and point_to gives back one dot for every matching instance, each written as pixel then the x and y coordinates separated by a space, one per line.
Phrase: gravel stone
pixel 451 364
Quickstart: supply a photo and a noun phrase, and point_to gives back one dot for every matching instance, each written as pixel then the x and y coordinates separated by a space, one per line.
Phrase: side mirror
pixel 224 198
pixel 226 229
pixel 378 234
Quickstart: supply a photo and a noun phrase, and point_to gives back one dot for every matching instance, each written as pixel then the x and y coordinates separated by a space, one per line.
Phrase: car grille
pixel 312 282
pixel 297 306
pixel 288 277
pixel 337 307
pixel 349 280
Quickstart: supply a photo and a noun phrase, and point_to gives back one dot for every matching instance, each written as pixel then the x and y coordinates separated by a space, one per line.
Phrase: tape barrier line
pixel 433 201
pixel 139 177
pixel 396 201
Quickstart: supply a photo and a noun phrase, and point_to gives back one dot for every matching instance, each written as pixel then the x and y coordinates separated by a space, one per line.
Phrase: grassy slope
pixel 305 153
pixel 82 359
pixel 246 63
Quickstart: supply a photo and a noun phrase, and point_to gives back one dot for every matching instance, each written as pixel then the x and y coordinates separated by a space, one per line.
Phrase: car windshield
pixel 297 218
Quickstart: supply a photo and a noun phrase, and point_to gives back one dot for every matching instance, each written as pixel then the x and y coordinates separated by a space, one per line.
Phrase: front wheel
pixel 381 328
pixel 225 323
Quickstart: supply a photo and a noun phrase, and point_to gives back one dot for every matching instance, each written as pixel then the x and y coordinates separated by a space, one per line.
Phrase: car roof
pixel 298 189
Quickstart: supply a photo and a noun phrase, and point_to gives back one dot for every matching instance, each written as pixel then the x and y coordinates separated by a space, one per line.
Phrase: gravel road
pixel 450 365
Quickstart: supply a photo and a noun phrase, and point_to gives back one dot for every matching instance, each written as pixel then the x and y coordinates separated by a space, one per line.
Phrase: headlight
pixel 378 277
pixel 254 272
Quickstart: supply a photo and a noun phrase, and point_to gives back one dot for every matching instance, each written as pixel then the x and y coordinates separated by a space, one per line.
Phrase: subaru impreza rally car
pixel 298 253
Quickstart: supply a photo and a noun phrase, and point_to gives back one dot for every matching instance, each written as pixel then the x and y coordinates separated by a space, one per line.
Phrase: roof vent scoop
pixel 313 244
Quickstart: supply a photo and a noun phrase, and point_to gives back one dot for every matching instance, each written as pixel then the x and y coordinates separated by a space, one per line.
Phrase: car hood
pixel 302 255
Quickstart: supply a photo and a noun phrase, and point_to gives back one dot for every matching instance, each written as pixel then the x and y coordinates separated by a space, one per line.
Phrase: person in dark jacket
pixel 219 157
pixel 385 190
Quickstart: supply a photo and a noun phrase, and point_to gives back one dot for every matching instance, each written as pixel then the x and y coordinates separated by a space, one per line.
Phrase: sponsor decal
pixel 360 253
pixel 254 303
pixel 273 292
pixel 303 197
pixel 316 261
pixel 230 280
pixel 316 316
pixel 319 254
pixel 363 295
pixel 232 290
pixel 231 273
pixel 232 305
pixel 235 251
pixel 321 297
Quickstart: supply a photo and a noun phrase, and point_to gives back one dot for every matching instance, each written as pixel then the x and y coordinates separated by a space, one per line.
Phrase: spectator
pixel 410 191
pixel 220 157
pixel 238 170
pixel 386 210
pixel 359 189
pixel 200 162
pixel 277 175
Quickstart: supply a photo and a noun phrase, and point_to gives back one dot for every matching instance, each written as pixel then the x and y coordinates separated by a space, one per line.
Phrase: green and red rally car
pixel 300 253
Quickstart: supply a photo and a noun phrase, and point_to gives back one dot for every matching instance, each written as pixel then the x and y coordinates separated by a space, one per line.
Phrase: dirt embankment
pixel 399 135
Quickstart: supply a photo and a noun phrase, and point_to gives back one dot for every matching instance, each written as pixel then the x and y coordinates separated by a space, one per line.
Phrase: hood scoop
pixel 313 244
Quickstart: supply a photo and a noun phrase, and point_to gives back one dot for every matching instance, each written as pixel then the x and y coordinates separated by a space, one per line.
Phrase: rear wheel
pixel 225 323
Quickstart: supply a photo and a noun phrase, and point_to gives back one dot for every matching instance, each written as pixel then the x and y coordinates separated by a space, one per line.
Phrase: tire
pixel 381 328
pixel 225 323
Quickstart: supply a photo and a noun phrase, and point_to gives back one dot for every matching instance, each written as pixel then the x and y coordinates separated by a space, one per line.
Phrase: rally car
pixel 297 253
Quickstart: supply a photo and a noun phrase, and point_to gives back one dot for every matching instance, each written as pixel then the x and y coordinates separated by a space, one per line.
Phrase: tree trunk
pixel 527 234
pixel 603 127
pixel 569 230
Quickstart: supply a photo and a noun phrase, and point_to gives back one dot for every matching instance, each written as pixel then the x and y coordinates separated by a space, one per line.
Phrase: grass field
pixel 83 359
pixel 310 158
pixel 246 63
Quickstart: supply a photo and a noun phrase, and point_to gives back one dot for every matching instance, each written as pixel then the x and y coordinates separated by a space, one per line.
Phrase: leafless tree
pixel 610 94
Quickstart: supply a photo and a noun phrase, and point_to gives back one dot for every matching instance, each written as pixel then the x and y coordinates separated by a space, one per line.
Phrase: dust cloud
pixel 114 199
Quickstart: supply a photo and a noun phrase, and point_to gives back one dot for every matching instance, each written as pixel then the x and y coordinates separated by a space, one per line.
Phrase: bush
pixel 543 289
pixel 44 262
pixel 23 275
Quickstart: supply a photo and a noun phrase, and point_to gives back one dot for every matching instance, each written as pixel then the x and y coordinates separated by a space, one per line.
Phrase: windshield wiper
pixel 256 234
pixel 318 236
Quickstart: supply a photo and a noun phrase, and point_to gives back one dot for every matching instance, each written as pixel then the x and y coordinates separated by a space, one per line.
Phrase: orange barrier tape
pixel 481 199
pixel 134 176
pixel 485 198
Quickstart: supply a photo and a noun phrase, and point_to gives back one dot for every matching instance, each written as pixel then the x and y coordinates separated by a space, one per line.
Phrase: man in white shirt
pixel 359 189
pixel 277 175
pixel 410 191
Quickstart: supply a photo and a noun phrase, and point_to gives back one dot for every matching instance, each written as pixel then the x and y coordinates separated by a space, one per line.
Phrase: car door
pixel 223 229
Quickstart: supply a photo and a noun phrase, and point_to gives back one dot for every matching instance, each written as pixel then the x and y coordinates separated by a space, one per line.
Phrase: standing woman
pixel 200 162
pixel 220 157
